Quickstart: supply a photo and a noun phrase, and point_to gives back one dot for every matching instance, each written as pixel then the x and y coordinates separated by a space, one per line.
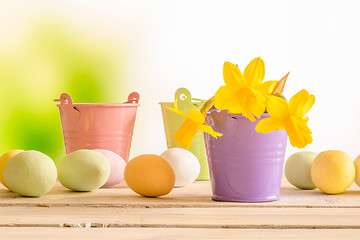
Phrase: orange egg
pixel 149 175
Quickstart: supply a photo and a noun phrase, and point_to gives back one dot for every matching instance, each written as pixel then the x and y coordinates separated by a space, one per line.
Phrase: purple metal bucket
pixel 244 165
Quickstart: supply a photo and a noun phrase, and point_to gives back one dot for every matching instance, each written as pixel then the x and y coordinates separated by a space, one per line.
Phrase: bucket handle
pixel 64 99
pixel 133 97
pixel 67 104
pixel 183 99
pixel 222 120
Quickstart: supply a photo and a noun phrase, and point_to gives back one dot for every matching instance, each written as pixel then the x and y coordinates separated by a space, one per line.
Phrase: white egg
pixel 185 164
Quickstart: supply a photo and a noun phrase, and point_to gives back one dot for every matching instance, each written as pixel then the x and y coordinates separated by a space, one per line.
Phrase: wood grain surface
pixel 186 213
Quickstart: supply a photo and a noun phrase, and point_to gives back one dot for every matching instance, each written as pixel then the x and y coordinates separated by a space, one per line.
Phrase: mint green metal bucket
pixel 173 121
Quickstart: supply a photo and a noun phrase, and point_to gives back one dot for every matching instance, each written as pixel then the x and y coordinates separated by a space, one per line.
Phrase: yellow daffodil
pixel 289 117
pixel 193 122
pixel 244 94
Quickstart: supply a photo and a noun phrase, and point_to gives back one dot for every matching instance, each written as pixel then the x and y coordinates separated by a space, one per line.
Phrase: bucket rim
pixel 193 101
pixel 195 104
pixel 264 115
pixel 110 105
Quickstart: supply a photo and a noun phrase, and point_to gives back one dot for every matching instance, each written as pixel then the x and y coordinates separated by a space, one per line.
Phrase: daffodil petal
pixel 178 111
pixel 301 103
pixel 269 124
pixel 258 106
pixel 225 98
pixel 235 109
pixel 232 75
pixel 267 87
pixel 277 107
pixel 196 116
pixel 186 133
pixel 298 132
pixel 249 115
pixel 254 72
pixel 209 130
pixel 255 107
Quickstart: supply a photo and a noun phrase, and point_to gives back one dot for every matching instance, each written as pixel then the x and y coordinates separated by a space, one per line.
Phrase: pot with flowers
pixel 246 125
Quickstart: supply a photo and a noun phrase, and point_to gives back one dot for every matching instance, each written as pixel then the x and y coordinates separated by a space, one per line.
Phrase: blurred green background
pixel 51 58
pixel 100 51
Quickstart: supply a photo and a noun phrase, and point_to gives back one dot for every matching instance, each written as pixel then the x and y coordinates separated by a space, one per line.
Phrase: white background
pixel 172 44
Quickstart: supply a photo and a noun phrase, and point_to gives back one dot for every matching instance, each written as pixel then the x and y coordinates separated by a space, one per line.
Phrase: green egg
pixel 30 173
pixel 83 170
pixel 298 169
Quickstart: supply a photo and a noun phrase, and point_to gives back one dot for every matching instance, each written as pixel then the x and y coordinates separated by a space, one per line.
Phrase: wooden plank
pixel 165 233
pixel 257 218
pixel 197 194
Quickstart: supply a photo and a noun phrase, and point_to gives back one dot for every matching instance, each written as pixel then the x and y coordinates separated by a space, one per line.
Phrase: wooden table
pixel 186 212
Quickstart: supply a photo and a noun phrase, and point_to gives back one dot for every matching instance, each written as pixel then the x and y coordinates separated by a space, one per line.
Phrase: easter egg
pixel 3 160
pixel 185 165
pixel 83 170
pixel 357 167
pixel 298 169
pixel 30 173
pixel 149 175
pixel 332 171
pixel 117 166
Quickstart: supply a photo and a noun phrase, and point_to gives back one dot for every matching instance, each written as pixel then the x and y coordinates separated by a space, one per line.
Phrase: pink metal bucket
pixel 98 125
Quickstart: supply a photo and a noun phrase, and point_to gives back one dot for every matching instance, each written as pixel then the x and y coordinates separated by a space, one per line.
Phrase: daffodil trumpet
pixel 194 121
pixel 290 117
pixel 244 93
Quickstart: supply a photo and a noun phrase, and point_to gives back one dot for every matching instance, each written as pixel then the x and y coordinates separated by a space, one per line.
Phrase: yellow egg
pixel 149 175
pixel 3 160
pixel 357 167
pixel 332 171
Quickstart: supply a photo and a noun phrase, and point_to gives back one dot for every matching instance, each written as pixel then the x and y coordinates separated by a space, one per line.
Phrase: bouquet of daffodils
pixel 246 94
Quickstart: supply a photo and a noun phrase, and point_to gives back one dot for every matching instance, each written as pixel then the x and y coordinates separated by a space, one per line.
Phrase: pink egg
pixel 117 165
